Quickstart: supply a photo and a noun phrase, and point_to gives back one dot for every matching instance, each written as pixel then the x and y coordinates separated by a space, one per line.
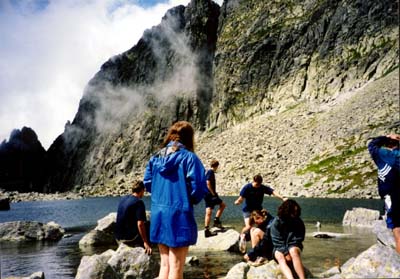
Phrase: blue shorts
pixel 246 214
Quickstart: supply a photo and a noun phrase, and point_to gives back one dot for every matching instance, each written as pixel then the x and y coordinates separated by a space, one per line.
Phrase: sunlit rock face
pixel 218 67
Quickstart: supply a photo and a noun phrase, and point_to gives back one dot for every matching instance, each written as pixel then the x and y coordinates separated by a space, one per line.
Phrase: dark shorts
pixel 262 249
pixel 286 250
pixel 212 201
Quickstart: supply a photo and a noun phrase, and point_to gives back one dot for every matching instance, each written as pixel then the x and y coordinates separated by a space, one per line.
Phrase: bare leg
pixel 207 218
pixel 177 258
pixel 221 208
pixel 396 234
pixel 256 235
pixel 297 264
pixel 283 265
pixel 164 265
pixel 246 225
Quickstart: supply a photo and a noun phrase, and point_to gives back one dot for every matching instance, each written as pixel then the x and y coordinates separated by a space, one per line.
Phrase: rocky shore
pixel 378 261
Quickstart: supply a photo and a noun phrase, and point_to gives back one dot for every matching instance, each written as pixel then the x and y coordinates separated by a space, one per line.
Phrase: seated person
pixel 260 236
pixel 287 233
pixel 132 227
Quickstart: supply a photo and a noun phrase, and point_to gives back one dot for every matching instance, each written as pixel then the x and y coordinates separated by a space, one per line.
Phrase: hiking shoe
pixel 242 243
pixel 218 224
pixel 208 233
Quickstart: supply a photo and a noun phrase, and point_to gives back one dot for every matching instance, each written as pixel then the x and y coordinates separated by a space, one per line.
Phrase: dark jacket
pixel 287 233
pixel 388 163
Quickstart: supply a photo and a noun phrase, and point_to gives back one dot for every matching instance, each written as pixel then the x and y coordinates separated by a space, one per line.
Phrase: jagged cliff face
pixel 273 54
pixel 216 67
pixel 136 96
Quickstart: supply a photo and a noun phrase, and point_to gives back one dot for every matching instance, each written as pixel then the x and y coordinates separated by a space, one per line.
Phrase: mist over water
pixel 61 259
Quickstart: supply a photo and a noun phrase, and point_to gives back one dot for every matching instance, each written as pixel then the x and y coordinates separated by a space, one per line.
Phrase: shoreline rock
pixel 102 234
pixel 361 217
pixel 125 262
pixel 30 231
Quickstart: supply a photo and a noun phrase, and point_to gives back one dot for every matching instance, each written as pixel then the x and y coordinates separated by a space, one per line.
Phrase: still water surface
pixel 61 259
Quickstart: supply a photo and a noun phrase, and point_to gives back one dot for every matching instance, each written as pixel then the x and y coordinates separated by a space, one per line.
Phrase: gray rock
pixel 238 271
pixel 124 263
pixel 269 270
pixel 96 238
pixel 223 241
pixel 360 217
pixel 107 223
pixel 96 267
pixel 30 230
pixel 378 261
pixel 128 262
pixel 383 234
pixel 102 234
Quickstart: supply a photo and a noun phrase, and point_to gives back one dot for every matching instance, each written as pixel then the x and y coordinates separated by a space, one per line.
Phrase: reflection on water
pixel 61 259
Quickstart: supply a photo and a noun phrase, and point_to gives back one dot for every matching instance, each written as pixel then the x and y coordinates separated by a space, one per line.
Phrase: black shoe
pixel 218 224
pixel 208 233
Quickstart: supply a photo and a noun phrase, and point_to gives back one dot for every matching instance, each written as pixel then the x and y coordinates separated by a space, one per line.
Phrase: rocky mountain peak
pixel 287 71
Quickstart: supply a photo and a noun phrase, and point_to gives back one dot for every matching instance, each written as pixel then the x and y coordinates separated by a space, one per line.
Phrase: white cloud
pixel 48 55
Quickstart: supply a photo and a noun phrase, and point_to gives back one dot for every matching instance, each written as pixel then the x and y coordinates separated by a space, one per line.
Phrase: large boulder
pixel 383 234
pixel 30 230
pixel 361 217
pixel 223 241
pixel 102 234
pixel 269 270
pixel 379 261
pixel 126 262
pixel 96 267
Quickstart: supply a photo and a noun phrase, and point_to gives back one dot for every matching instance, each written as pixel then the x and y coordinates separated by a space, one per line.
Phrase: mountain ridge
pixel 221 67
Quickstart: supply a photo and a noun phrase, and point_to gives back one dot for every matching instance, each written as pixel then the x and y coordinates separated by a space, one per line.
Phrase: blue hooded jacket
pixel 388 163
pixel 175 177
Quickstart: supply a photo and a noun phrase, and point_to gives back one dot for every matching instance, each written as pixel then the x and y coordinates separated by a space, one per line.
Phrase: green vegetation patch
pixel 339 167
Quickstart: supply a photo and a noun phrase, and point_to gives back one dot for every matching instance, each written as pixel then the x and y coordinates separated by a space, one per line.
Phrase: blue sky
pixel 50 49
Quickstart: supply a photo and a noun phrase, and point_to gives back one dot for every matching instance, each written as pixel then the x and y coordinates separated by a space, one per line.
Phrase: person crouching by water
pixel 287 233
pixel 175 177
pixel 260 235
pixel 131 226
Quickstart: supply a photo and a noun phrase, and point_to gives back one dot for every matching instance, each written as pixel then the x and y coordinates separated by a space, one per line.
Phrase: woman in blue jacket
pixel 175 177
pixel 287 233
